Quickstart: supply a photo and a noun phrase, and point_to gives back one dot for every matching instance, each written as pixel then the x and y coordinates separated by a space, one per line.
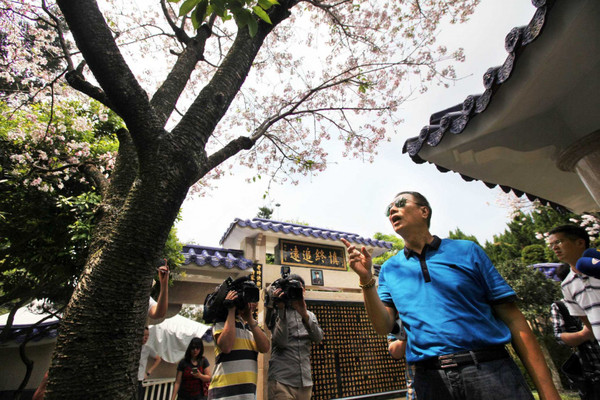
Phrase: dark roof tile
pixel 302 230
pixel 456 118
pixel 217 257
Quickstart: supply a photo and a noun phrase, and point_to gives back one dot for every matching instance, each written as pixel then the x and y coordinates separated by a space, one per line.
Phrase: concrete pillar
pixel 583 158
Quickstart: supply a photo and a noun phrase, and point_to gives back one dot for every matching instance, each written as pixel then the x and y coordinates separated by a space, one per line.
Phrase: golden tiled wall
pixel 352 360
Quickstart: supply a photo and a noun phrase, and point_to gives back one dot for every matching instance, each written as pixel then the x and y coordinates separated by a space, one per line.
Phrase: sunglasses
pixel 551 245
pixel 399 203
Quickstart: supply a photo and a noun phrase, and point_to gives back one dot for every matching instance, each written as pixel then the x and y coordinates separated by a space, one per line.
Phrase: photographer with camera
pixel 294 329
pixel 238 340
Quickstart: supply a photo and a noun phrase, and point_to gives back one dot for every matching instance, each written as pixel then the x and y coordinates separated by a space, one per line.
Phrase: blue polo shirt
pixel 444 298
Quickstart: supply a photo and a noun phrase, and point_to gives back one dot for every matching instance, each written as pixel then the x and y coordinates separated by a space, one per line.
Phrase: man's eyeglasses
pixel 398 203
pixel 555 243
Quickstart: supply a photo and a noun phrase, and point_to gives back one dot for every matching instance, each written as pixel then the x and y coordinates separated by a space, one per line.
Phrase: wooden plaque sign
pixel 299 254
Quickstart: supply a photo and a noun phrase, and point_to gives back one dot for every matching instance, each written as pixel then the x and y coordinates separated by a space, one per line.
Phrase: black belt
pixel 464 358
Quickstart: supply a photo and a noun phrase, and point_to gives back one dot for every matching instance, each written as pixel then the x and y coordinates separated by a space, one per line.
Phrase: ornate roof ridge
pixel 303 230
pixel 217 257
pixel 456 118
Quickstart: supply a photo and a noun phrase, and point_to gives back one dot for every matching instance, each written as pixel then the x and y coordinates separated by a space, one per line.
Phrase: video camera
pixel 215 304
pixel 291 286
pixel 293 289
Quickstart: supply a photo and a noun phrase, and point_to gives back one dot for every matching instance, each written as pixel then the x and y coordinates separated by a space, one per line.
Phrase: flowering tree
pixel 47 210
pixel 54 166
pixel 264 84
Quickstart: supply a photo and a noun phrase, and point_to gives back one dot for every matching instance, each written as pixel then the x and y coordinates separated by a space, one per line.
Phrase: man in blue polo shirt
pixel 457 311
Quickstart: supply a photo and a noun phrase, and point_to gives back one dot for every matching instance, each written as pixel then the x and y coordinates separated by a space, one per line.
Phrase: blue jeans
pixel 490 380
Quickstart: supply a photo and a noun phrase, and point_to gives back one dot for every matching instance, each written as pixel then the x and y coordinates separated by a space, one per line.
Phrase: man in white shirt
pixel 581 293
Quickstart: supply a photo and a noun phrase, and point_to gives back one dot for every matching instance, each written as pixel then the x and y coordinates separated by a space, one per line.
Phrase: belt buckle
pixel 447 361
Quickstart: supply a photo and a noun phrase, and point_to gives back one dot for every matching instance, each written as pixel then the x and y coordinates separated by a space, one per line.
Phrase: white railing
pixel 158 389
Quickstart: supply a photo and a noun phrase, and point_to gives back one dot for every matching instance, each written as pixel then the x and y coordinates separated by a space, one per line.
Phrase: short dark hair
pixel 572 232
pixel 298 278
pixel 194 343
pixel 420 200
pixel 562 271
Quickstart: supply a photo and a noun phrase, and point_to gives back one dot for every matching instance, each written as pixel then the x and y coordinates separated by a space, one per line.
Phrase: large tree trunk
pixel 99 342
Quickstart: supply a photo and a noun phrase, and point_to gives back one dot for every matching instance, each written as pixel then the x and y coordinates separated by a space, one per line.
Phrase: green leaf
pixel 266 4
pixel 199 14
pixel 219 8
pixel 261 14
pixel 195 22
pixel 187 6
pixel 201 9
pixel 252 26
pixel 242 17
pixel 173 1
pixel 235 4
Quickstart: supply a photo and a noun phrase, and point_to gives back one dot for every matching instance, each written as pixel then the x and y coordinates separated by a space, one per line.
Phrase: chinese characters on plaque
pixel 310 255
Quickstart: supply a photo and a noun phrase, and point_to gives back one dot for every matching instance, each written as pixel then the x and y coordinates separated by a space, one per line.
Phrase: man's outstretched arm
pixel 381 317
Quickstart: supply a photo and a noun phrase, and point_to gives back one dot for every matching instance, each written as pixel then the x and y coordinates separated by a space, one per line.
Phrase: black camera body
pixel 215 304
pixel 247 292
pixel 292 289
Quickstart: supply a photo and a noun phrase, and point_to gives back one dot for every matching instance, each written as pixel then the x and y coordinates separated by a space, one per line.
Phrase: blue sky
pixel 351 195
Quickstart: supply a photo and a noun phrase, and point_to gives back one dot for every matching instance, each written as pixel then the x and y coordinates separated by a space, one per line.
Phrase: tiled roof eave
pixel 303 231
pixel 216 258
pixel 455 120
pixel 505 188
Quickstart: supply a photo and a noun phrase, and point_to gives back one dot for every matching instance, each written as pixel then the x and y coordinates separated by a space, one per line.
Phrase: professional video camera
pixel 291 286
pixel 215 304
pixel 293 289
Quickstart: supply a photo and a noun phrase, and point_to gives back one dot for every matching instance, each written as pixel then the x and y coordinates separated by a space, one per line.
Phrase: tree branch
pixel 96 176
pixel 179 33
pixel 165 98
pixel 97 45
pixel 214 99
pixel 61 36
pixel 231 149
pixel 77 81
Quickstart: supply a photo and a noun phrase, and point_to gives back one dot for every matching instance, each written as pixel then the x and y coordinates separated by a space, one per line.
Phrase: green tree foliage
pixel 48 202
pixel 460 235
pixel 527 228
pixel 265 212
pixel 398 244
pixel 533 254
pixel 52 164
pixel 534 290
